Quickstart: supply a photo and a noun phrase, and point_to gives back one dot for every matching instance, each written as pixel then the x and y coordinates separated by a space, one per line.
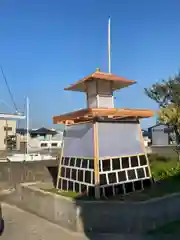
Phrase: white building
pixel 7 128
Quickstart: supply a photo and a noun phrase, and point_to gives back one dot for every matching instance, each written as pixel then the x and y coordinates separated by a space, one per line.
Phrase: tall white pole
pixel 27 123
pixel 109 45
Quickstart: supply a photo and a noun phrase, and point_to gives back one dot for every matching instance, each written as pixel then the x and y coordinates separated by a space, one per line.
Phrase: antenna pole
pixel 27 124
pixel 109 45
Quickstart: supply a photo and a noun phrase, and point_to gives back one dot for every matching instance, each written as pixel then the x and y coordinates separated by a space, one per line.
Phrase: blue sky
pixel 45 45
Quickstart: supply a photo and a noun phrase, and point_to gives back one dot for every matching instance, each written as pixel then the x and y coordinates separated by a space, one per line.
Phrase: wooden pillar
pixel 60 159
pixel 96 160
pixel 143 148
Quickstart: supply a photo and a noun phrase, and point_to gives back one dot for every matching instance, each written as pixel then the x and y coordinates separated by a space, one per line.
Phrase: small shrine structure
pixel 103 149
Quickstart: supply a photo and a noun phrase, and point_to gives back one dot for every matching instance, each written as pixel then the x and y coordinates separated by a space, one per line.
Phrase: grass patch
pixel 62 193
pixel 69 194
pixel 158 167
pixel 158 189
pixel 171 228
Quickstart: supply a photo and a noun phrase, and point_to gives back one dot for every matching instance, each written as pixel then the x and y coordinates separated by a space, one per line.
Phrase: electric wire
pixel 9 90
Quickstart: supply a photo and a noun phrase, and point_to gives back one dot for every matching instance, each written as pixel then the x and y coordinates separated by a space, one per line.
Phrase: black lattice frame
pixel 119 175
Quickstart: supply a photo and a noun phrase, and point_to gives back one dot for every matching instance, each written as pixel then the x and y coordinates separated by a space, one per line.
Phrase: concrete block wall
pixel 12 173
pixel 97 216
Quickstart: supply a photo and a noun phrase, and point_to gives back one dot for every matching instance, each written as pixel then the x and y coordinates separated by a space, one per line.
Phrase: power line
pixel 9 90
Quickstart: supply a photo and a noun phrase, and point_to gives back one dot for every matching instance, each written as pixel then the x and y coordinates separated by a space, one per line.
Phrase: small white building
pixel 161 135
pixel 41 139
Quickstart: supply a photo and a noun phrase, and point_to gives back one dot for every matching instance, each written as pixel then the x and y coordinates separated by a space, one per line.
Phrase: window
pixel 143 160
pixel 122 176
pixel 7 128
pixel 134 161
pixel 103 180
pixel 68 172
pixel 88 176
pixel 115 164
pixel 125 162
pixel 43 144
pixel 80 175
pixel 106 165
pixel 84 163
pixel 78 162
pixel 140 173
pixel 131 174
pixel 54 144
pixel 112 177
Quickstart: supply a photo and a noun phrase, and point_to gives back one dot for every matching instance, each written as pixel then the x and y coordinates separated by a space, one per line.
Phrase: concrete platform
pixel 20 224
pixel 105 217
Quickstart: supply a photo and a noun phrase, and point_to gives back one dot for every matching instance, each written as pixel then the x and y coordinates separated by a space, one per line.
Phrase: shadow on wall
pixel 53 171
pixel 82 211
pixel 94 220
pixel 126 218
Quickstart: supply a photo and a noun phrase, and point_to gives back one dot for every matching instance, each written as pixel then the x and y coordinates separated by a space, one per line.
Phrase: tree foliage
pixel 167 94
pixel 169 115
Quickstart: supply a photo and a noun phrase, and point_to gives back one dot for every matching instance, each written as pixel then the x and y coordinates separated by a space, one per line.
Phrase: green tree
pixel 167 94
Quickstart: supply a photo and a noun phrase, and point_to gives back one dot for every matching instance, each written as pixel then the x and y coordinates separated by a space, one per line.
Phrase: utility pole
pixel 109 45
pixel 6 138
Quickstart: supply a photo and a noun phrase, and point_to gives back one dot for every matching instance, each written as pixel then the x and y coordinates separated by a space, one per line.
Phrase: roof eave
pixel 80 87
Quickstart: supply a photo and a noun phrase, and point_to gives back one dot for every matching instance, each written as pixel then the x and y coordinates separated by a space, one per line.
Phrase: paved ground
pixel 23 225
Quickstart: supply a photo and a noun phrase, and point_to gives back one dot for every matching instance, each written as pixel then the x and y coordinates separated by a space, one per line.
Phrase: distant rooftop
pixel 40 131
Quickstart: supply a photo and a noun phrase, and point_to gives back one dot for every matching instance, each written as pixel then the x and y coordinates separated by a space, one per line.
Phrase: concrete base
pixel 82 216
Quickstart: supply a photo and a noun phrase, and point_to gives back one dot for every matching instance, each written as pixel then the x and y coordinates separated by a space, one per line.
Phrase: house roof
pixel 91 113
pixel 21 130
pixel 36 131
pixel 117 81
pixel 167 128
pixel 156 125
pixel 43 131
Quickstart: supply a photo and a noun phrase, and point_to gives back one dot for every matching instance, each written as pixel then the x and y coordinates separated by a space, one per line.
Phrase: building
pixel 161 135
pixel 42 138
pixel 42 133
pixel 8 130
